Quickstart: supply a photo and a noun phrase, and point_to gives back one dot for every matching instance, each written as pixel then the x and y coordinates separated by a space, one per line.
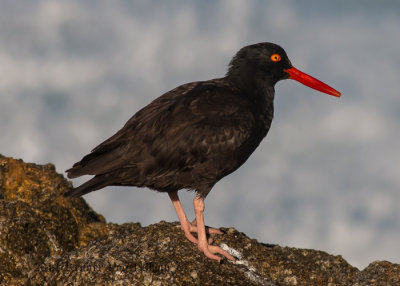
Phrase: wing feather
pixel 186 129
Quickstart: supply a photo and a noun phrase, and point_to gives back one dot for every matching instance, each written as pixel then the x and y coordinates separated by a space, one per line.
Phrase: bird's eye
pixel 275 58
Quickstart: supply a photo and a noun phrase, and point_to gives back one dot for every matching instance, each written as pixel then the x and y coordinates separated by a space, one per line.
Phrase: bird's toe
pixel 211 250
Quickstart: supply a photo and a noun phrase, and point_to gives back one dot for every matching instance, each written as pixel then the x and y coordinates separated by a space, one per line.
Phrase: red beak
pixel 311 82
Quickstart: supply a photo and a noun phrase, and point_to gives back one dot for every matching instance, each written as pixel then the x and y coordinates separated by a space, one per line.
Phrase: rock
pixel 379 273
pixel 46 239
pixel 36 222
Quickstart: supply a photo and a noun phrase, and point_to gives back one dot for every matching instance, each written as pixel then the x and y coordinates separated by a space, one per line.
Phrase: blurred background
pixel 326 177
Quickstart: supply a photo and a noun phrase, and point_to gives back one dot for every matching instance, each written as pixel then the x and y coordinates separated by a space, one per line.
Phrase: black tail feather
pixel 94 184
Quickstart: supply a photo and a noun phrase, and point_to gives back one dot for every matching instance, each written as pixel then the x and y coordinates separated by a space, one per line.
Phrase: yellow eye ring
pixel 275 58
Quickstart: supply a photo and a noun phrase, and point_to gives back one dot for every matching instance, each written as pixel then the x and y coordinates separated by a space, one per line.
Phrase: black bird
pixel 194 135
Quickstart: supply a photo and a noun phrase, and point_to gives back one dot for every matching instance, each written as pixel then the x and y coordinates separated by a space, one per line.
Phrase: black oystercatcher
pixel 194 135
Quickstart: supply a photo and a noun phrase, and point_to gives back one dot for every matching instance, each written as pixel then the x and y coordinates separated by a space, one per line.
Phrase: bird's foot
pixel 209 230
pixel 188 235
pixel 192 227
pixel 211 250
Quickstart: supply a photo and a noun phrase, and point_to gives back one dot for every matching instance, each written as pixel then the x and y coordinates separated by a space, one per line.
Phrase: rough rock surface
pixel 46 239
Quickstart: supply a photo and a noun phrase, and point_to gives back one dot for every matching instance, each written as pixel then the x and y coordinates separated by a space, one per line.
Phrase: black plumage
pixel 194 135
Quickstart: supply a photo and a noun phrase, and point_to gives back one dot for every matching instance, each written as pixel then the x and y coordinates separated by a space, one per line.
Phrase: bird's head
pixel 267 63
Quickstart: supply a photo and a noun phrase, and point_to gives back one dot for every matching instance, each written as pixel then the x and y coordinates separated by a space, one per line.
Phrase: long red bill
pixel 311 82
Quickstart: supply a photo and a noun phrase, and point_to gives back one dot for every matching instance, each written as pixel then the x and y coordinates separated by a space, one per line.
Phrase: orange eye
pixel 275 58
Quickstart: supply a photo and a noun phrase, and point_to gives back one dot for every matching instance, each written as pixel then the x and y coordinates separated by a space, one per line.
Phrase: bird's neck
pixel 255 85
pixel 257 89
pixel 260 94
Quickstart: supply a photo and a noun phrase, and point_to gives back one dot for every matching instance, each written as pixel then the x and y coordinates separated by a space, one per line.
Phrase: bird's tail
pixel 93 184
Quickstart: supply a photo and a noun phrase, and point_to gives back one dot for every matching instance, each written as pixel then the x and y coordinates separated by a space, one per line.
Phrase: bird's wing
pixel 188 125
pixel 112 153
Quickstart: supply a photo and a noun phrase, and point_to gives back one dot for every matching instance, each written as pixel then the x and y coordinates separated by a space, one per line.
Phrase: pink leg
pixel 208 250
pixel 185 224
